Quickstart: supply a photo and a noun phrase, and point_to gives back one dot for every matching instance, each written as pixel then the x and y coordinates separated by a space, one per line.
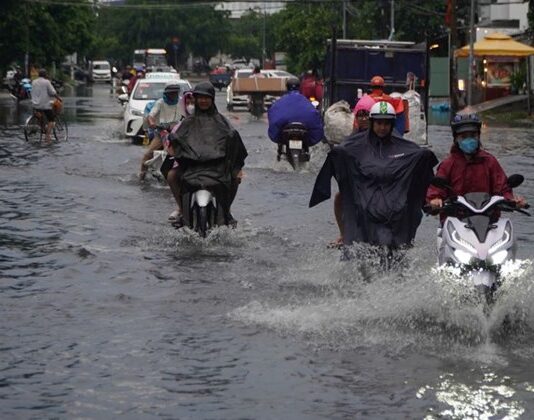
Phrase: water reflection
pixel 488 397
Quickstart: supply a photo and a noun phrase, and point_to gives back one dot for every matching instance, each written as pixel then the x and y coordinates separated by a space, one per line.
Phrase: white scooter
pixel 202 210
pixel 475 238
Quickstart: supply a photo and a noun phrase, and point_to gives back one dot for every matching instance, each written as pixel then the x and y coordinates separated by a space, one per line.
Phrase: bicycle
pixel 35 127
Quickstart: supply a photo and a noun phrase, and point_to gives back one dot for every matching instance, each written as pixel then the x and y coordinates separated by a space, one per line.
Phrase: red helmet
pixel 377 81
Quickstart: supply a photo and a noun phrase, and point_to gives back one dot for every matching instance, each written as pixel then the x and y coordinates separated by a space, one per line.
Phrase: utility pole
pixel 344 5
pixel 392 21
pixel 263 51
pixel 453 41
pixel 471 55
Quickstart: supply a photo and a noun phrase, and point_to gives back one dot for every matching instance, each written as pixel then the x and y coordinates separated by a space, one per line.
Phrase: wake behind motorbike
pixel 475 238
pixel 293 145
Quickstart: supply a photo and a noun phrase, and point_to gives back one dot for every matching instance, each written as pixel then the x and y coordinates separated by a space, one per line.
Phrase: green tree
pixel 246 36
pixel 150 24
pixel 46 32
pixel 302 32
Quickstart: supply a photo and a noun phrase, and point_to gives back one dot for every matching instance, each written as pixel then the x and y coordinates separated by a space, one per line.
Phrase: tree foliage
pixel 46 32
pixel 202 29
pixel 302 33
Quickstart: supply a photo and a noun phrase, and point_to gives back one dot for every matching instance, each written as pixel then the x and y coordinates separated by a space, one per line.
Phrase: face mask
pixel 190 109
pixel 468 145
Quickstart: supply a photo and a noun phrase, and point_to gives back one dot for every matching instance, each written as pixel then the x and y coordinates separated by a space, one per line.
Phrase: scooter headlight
pixel 460 241
pixel 463 256
pixel 506 237
pixel 499 257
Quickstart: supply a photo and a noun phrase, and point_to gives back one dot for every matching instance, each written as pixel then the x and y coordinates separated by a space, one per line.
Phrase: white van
pixel 101 71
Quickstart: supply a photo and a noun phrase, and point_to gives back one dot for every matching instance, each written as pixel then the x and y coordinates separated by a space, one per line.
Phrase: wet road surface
pixel 108 312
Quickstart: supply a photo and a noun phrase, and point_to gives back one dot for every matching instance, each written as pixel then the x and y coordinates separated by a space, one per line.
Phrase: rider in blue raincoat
pixel 294 107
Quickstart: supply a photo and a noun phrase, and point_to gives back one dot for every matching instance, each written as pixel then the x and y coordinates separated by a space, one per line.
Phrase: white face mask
pixel 190 109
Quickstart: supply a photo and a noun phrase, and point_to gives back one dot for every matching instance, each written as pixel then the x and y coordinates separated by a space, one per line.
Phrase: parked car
pixel 144 91
pixel 101 71
pixel 242 100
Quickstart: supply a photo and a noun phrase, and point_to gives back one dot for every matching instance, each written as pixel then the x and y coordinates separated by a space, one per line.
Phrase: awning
pixel 497 45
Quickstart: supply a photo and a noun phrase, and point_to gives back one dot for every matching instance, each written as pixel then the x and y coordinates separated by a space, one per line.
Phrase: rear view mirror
pixel 123 98
pixel 515 180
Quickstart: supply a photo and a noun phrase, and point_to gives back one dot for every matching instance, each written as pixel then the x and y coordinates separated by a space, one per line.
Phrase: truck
pixel 350 65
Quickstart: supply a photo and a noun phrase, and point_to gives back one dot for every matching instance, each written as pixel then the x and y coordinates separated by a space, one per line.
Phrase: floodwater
pixel 108 312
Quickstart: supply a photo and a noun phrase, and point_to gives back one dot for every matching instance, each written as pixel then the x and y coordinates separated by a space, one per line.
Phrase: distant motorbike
pixel 316 104
pixel 154 165
pixel 257 104
pixel 122 92
pixel 293 145
pixel 475 238
pixel 220 78
pixel 20 90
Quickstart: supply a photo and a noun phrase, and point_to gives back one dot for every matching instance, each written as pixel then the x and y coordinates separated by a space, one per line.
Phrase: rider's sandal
pixel 178 223
pixel 174 215
pixel 338 243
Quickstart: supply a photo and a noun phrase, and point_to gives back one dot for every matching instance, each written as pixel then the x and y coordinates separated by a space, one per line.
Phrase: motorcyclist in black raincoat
pixel 209 151
pixel 382 179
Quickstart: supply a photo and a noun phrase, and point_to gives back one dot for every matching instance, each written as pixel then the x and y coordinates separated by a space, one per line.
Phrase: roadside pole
pixel 471 55
pixel 529 106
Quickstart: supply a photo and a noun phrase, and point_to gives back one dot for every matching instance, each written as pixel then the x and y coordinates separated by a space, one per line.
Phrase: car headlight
pixel 463 256
pixel 136 112
pixel 499 257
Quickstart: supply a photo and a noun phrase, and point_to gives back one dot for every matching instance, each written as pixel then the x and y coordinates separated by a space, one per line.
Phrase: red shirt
pixel 481 174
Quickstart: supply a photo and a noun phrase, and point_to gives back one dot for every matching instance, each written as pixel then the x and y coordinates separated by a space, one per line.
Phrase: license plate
pixel 295 144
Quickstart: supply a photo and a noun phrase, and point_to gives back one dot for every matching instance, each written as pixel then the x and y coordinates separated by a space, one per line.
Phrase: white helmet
pixel 382 111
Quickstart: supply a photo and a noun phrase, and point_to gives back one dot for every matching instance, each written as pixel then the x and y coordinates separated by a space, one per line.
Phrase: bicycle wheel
pixel 33 131
pixel 61 132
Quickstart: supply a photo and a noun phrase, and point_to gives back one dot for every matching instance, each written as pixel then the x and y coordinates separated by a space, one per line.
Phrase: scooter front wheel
pixel 203 221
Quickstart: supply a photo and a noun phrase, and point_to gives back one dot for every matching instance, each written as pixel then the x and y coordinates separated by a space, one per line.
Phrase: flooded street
pixel 108 312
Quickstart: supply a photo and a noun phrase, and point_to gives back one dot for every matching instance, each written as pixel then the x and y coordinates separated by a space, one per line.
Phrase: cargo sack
pixel 338 122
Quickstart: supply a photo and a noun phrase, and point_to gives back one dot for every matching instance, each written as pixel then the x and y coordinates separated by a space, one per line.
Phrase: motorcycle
pixel 316 104
pixel 155 164
pixel 293 145
pixel 202 208
pixel 21 90
pixel 256 104
pixel 123 96
pixel 475 238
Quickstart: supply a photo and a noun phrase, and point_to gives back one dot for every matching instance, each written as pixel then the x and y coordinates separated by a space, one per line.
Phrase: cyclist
pixel 42 95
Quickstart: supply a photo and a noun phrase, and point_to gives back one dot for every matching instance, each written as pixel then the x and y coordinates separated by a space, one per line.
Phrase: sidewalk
pixel 494 103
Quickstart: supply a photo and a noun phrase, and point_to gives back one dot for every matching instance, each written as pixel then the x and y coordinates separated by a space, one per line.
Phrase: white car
pixel 147 90
pixel 101 71
pixel 242 100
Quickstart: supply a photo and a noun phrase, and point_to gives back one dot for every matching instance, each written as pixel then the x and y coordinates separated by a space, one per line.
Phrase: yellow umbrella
pixel 497 44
